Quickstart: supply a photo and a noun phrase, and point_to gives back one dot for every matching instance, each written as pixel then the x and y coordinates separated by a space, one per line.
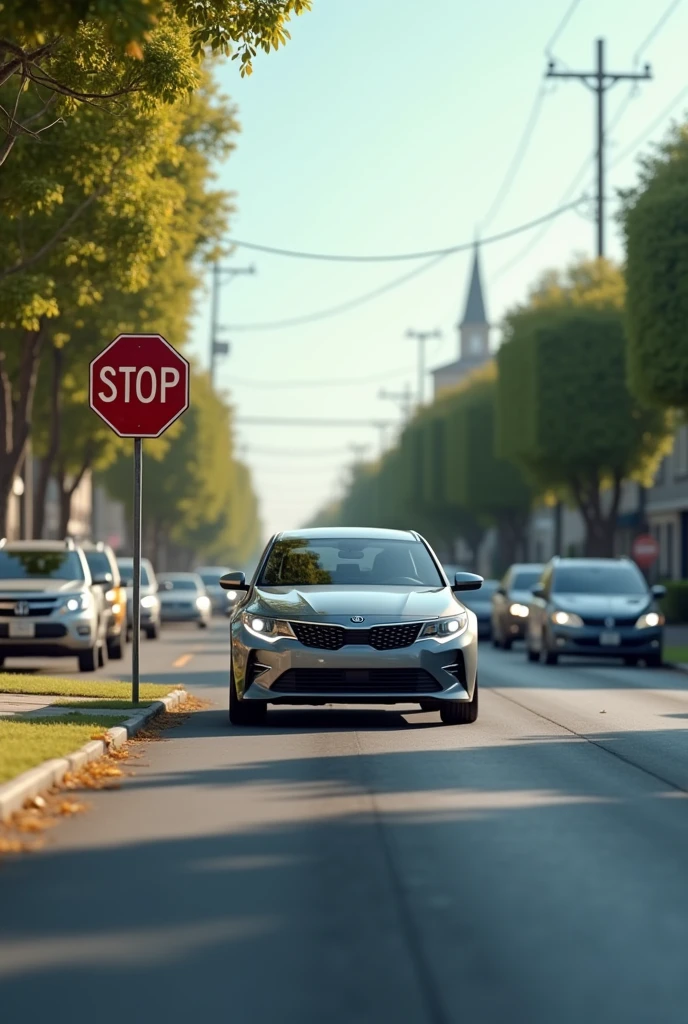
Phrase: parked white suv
pixel 49 604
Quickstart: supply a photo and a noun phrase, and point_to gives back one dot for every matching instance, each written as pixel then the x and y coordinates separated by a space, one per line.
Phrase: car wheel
pixel 654 661
pixel 153 631
pixel 551 657
pixel 244 712
pixel 462 712
pixel 88 660
pixel 507 643
pixel 427 705
pixel 630 660
pixel 102 654
pixel 115 647
pixel 495 640
pixel 202 624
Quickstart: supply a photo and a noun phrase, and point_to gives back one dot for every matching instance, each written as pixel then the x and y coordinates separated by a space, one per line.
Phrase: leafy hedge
pixel 675 604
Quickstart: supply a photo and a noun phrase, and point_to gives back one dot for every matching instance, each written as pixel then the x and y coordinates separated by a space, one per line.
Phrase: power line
pixel 656 29
pixel 568 14
pixel 518 157
pixel 344 307
pixel 447 251
pixel 648 130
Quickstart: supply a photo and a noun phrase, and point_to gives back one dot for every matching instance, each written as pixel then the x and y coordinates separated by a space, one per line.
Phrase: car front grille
pixel 332 638
pixel 623 621
pixel 36 606
pixel 325 681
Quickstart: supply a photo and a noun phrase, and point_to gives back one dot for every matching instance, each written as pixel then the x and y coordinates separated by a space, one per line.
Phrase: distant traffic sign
pixel 645 550
pixel 139 385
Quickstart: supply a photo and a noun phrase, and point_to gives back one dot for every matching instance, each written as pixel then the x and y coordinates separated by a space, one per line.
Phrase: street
pixel 371 865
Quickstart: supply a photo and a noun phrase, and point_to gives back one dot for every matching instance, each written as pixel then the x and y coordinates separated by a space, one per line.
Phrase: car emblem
pixel 609 622
pixel 357 618
pixel 22 608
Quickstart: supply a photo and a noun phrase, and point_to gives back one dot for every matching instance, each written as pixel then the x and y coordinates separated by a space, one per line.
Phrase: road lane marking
pixel 181 661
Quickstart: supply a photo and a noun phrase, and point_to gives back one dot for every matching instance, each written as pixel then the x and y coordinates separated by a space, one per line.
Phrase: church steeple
pixel 474 329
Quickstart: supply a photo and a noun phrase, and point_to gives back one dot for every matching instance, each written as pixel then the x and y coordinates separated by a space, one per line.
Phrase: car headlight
pixel 79 603
pixel 649 620
pixel 561 618
pixel 111 595
pixel 149 601
pixel 519 611
pixel 443 629
pixel 203 601
pixel 268 629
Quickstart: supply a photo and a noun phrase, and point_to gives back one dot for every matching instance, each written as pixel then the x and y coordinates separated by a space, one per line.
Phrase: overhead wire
pixel 556 35
pixel 398 281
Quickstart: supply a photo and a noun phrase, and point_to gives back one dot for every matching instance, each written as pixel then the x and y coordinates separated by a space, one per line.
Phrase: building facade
pixel 473 335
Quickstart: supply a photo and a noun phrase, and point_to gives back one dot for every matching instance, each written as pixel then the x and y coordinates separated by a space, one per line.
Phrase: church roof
pixel 475 304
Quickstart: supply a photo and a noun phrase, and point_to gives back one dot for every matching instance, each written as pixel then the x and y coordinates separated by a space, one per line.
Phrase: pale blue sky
pixel 387 126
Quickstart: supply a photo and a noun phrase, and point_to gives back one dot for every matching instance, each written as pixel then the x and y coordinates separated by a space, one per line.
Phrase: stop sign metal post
pixel 139 385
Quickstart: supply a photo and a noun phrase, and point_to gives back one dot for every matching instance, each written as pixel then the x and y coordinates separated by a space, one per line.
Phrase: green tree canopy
pixel 564 412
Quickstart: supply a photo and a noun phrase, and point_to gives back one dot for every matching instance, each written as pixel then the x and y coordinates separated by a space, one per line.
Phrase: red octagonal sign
pixel 139 385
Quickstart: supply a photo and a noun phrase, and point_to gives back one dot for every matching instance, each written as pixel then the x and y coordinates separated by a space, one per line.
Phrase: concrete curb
pixel 15 793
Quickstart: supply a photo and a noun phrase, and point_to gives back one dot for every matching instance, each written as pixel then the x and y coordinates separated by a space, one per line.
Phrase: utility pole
pixel 422 337
pixel 404 398
pixel 217 347
pixel 599 81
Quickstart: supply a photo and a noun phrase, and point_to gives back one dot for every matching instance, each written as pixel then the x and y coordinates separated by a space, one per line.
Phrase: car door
pixel 500 603
pixel 539 604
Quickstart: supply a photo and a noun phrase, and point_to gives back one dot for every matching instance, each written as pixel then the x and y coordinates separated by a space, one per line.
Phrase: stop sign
pixel 645 550
pixel 139 385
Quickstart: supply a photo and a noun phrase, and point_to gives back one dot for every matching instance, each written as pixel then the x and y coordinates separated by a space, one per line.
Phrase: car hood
pixel 603 604
pixel 145 591
pixel 383 604
pixel 41 586
pixel 520 596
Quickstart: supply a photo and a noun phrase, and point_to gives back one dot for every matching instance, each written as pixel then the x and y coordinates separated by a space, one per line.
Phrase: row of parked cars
pixel 62 598
pixel 573 606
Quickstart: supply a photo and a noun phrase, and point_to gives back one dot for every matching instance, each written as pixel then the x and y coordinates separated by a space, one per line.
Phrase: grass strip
pixel 64 687
pixel 27 742
pixel 95 704
pixel 676 655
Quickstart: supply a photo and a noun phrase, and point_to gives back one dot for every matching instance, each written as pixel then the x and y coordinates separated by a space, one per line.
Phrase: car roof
pixel 534 566
pixel 39 545
pixel 348 533
pixel 591 563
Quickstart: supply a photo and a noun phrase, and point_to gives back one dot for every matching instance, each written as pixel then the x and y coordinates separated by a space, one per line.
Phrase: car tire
pixel 654 661
pixel 462 712
pixel 88 660
pixel 496 642
pixel 102 654
pixel 202 625
pixel 427 705
pixel 530 653
pixel 244 712
pixel 153 631
pixel 551 657
pixel 115 647
pixel 630 660
pixel 507 643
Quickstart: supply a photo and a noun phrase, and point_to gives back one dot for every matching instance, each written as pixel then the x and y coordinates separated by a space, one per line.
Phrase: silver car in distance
pixel 352 616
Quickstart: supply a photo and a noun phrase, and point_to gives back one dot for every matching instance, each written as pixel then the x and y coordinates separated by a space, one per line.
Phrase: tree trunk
pixel 600 528
pixel 16 407
pixel 47 463
pixel 511 529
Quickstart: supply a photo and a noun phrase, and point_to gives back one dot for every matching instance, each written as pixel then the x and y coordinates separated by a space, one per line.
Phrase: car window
pixel 598 579
pixel 211 578
pixel 127 570
pixel 36 565
pixel 303 561
pixel 98 563
pixel 179 584
pixel 525 579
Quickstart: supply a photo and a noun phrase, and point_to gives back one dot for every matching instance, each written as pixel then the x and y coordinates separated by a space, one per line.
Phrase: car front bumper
pixel 54 636
pixel 287 672
pixel 589 641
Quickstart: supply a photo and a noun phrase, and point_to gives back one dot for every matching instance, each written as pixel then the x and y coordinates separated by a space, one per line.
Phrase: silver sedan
pixel 352 616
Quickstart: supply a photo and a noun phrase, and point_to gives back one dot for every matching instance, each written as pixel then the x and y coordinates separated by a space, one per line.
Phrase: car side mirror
pixel 467 581
pixel 234 581
pixel 659 591
pixel 538 590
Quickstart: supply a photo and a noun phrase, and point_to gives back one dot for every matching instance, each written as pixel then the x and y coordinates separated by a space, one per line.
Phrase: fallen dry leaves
pixel 43 812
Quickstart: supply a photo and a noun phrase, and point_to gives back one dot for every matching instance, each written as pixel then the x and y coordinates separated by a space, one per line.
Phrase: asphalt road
pixel 373 866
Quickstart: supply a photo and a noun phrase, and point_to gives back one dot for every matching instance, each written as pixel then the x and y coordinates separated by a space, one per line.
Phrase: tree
pixel 655 221
pixel 57 56
pixel 564 412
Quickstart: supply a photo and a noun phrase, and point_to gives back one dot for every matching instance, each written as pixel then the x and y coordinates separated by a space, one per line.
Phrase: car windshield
pixel 212 578
pixel 99 564
pixel 127 570
pixel 172 584
pixel 525 580
pixel 598 579
pixel 304 561
pixel 40 565
pixel 478 597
